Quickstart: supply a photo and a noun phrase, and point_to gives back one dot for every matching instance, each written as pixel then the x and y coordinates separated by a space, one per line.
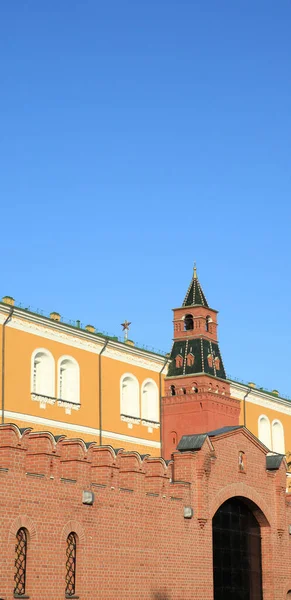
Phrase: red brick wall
pixel 134 542
pixel 199 314
pixel 210 408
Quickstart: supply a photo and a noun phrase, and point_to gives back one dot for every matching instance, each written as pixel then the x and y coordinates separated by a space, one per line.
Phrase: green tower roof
pixel 206 358
pixel 195 294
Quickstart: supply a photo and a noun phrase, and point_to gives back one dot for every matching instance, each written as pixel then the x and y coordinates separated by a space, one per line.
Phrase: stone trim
pixel 244 491
pixel 77 528
pixel 22 521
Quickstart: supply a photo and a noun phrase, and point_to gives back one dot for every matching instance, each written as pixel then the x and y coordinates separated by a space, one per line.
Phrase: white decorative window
pixel 278 444
pixel 264 431
pixel 150 401
pixel 129 396
pixel 42 373
pixel 68 380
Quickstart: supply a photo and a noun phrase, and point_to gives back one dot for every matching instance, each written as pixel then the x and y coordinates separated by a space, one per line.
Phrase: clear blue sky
pixel 137 137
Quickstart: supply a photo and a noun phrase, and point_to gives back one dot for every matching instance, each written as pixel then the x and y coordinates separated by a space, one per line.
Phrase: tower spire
pixel 195 295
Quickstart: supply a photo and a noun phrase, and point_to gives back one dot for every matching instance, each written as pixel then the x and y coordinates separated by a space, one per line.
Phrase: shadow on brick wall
pixel 162 595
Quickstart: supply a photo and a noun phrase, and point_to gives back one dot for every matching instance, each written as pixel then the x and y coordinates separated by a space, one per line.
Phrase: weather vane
pixel 125 326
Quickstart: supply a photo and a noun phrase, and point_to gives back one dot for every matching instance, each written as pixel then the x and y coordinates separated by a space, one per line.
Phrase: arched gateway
pixel 236 552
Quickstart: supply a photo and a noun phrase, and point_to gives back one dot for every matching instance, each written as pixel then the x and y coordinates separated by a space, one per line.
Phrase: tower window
pixel 173 436
pixel 188 323
pixel 207 321
pixel 20 562
pixel 210 360
pixel 190 359
pixel 179 361
pixel 217 363
pixel 172 390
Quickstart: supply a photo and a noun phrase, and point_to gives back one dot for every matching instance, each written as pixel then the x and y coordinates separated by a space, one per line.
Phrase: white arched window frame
pixel 68 380
pixel 278 442
pixel 129 396
pixel 264 431
pixel 150 401
pixel 43 373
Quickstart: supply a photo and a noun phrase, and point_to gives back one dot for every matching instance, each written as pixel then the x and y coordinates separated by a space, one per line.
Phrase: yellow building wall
pixel 19 347
pixel 254 411
pixel 111 375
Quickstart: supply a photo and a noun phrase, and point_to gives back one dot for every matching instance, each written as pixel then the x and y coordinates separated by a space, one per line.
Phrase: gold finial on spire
pixel 195 271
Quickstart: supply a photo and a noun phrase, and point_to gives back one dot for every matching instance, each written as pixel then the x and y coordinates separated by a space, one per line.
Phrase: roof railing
pixel 257 388
pixel 77 324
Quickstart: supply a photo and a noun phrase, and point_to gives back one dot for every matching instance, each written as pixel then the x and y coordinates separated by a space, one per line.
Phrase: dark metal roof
pixel 223 430
pixel 23 429
pixel 274 461
pixel 196 441
pixel 59 437
pixel 88 444
pixel 191 442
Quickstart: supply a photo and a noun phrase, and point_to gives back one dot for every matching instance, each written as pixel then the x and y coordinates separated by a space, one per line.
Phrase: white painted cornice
pixel 195 306
pixel 55 332
pixel 238 390
pixel 84 340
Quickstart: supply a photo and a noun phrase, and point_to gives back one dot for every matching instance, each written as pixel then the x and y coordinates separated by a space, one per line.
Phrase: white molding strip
pixel 260 398
pixel 59 332
pixel 79 429
pixel 3 317
pixel 133 358
pixel 55 336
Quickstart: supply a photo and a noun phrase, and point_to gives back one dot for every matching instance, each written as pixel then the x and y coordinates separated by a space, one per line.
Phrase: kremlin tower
pixel 197 394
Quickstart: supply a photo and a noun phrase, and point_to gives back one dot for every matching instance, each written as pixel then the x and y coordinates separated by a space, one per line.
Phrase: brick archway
pixel 239 489
pixel 262 513
pixel 236 541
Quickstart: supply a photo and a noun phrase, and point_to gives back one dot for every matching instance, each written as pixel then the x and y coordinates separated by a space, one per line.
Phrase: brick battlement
pixel 40 455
